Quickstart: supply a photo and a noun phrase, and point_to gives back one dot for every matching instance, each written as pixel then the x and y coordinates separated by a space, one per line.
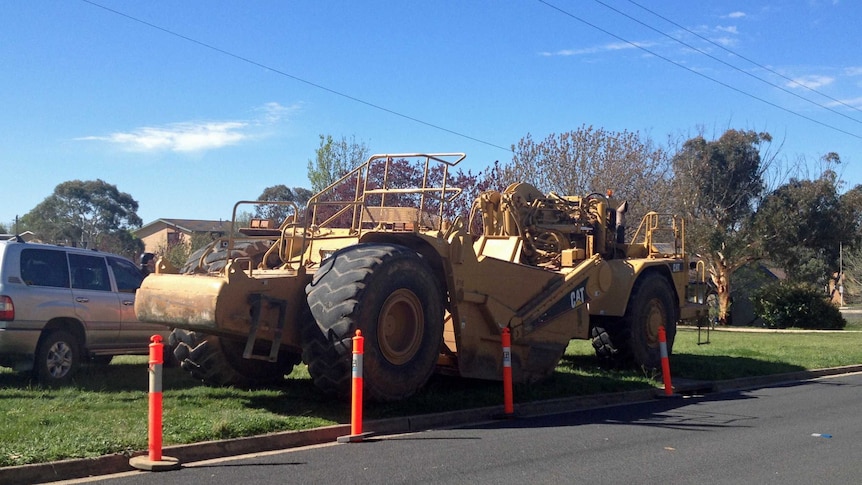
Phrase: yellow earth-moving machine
pixel 381 251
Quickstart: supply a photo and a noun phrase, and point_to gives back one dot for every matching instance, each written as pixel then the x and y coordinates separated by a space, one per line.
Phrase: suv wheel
pixel 57 358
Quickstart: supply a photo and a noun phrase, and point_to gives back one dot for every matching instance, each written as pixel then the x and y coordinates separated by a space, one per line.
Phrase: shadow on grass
pixel 719 367
pixel 686 366
pixel 441 393
pixel 105 378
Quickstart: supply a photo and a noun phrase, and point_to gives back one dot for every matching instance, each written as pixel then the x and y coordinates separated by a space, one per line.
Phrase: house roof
pixel 190 225
pixel 26 235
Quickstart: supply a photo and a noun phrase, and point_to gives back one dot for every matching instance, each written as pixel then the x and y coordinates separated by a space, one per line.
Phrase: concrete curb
pixel 104 465
pixel 762 381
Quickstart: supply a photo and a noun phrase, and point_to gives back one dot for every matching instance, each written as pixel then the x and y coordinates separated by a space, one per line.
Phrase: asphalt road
pixel 807 432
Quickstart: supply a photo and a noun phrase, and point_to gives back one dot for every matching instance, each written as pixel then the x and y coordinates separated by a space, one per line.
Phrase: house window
pixel 174 238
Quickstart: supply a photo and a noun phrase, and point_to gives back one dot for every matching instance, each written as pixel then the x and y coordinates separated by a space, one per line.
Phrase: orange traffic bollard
pixel 665 362
pixel 154 461
pixel 356 391
pixel 356 434
pixel 157 360
pixel 508 400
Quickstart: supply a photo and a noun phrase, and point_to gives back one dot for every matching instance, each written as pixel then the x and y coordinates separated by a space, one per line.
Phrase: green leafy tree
pixel 281 193
pixel 804 223
pixel 852 265
pixel 178 252
pixel 851 256
pixel 717 186
pixel 89 213
pixel 333 159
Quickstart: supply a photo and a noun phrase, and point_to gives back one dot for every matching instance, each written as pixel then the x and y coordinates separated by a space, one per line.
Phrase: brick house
pixel 163 233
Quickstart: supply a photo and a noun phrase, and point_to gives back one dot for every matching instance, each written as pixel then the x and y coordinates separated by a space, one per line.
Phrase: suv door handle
pixel 81 299
pixel 129 302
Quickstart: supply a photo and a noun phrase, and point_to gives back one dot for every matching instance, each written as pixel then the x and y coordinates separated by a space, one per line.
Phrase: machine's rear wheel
pixel 652 305
pixel 218 361
pixel 212 258
pixel 390 294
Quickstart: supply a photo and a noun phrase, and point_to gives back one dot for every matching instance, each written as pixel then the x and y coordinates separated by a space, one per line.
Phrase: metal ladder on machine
pixel 703 297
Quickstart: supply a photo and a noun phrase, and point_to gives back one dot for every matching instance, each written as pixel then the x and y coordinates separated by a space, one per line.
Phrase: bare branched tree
pixel 595 160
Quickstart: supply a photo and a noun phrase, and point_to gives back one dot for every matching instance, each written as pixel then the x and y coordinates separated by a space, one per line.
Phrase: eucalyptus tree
pixel 90 213
pixel 717 187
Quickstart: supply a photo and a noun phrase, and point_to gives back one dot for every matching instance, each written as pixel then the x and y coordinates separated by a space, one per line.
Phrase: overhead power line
pixel 294 77
pixel 681 66
pixel 765 68
pixel 707 54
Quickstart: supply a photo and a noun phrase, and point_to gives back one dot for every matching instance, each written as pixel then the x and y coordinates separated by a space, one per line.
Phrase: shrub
pixel 783 305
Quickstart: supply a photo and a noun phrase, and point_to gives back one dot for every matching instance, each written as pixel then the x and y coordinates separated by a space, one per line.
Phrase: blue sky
pixel 190 106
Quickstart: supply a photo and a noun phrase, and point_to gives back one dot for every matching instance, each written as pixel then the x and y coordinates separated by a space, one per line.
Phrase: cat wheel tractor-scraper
pixel 380 251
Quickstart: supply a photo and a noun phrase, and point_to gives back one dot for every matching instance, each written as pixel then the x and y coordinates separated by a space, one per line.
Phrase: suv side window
pixel 128 276
pixel 89 272
pixel 44 267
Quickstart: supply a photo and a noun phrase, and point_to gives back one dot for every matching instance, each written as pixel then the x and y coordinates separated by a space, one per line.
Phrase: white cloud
pixel 853 71
pixel 178 137
pixel 854 102
pixel 729 29
pixel 812 81
pixel 614 46
pixel 724 41
pixel 273 112
pixel 192 136
pixel 735 15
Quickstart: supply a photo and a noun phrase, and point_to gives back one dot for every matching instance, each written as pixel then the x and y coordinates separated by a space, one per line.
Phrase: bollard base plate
pixel 143 462
pixel 354 438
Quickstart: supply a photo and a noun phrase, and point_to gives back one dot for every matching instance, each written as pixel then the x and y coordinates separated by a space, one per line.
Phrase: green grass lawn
pixel 106 412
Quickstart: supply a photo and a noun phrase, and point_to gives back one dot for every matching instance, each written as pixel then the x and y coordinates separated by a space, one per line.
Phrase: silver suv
pixel 61 306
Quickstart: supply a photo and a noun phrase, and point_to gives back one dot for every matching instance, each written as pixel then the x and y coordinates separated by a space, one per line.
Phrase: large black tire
pixel 389 293
pixel 632 341
pixel 215 257
pixel 652 304
pixel 58 357
pixel 604 343
pixel 215 360
pixel 219 362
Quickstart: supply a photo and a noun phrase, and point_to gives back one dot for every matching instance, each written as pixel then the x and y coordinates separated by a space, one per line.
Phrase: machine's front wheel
pixel 391 295
pixel 651 306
